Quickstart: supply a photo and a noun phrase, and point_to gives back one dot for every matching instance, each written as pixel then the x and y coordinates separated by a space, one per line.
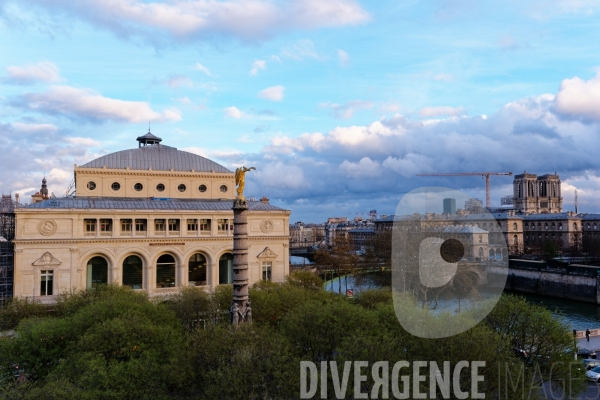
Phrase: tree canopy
pixel 116 343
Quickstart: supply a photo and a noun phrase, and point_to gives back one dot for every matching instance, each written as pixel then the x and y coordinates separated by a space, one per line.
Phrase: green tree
pixel 119 345
pixel 252 362
pixel 316 328
pixel 340 258
pixel 546 340
pixel 305 279
pixel 18 309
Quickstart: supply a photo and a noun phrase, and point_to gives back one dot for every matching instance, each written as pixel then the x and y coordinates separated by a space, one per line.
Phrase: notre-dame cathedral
pixel 537 194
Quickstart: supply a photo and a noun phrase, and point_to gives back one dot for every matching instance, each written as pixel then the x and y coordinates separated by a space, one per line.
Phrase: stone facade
pixel 570 232
pixel 156 244
pixel 537 194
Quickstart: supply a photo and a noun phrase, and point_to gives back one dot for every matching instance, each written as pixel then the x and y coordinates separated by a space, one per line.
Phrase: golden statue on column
pixel 240 176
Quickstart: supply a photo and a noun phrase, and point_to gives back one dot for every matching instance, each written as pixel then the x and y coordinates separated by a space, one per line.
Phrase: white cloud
pixel 407 166
pixel 44 71
pixel 32 150
pixel 390 107
pixel 544 9
pixel 34 128
pixel 300 50
pixel 273 93
pixel 442 110
pixel 256 66
pixel 81 141
pixel 276 58
pixel 204 19
pixel 343 57
pixel 370 166
pixel 346 111
pixel 202 68
pixel 87 104
pixel 578 98
pixel 233 112
pixel 363 169
pixel 281 176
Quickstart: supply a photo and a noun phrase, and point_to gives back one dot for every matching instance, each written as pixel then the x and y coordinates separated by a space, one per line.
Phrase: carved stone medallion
pixel 47 227
pixel 266 226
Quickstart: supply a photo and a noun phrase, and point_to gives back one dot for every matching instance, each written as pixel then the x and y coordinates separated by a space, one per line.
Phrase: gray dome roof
pixel 158 157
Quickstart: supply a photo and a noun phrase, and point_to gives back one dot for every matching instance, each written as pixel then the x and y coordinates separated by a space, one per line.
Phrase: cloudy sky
pixel 337 103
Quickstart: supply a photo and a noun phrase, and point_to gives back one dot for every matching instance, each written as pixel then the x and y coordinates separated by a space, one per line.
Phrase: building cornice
pixel 150 172
pixel 174 241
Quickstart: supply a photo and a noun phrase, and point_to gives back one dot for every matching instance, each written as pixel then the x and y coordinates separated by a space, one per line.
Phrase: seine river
pixel 578 315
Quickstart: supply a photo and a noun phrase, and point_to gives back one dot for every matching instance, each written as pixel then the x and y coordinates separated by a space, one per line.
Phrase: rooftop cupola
pixel 148 139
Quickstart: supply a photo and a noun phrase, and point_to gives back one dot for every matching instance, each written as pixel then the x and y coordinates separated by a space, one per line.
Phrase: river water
pixel 577 314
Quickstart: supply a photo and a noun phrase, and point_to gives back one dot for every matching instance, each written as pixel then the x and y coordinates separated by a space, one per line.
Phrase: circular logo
pixel 47 227
pixel 266 226
pixel 449 266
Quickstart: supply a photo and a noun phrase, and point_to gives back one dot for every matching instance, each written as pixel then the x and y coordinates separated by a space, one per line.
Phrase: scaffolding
pixel 7 234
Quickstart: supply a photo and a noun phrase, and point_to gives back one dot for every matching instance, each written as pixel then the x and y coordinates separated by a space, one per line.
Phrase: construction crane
pixel 482 174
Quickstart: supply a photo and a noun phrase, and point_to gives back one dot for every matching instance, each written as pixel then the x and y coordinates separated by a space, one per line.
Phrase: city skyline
pixel 339 104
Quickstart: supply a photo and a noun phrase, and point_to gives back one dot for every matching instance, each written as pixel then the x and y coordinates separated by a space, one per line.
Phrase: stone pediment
pixel 45 260
pixel 266 254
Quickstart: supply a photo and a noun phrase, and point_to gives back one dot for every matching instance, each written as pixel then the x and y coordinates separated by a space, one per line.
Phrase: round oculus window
pixel 115 186
pixel 223 188
pixel 202 188
pixel 160 187
pixel 138 187
pixel 181 188
pixel 91 185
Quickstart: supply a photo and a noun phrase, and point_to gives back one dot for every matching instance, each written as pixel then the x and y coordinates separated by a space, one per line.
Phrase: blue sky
pixel 338 104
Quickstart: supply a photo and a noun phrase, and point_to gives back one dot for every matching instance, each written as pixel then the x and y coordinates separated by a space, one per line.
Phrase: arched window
pixel 165 271
pixel 514 226
pixel 97 272
pixel 481 252
pixel 133 272
pixel 546 225
pixel 226 269
pixel 574 226
pixel 595 227
pixel 504 253
pixel 560 226
pixel 492 254
pixel 515 240
pixel 197 270
pixel 480 238
pixel 589 226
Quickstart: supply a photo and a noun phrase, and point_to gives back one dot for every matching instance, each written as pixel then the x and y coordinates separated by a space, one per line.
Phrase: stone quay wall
pixel 575 282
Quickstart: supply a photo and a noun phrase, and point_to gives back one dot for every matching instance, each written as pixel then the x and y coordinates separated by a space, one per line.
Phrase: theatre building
pixel 153 218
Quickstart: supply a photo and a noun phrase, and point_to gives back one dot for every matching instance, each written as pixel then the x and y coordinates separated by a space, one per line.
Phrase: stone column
pixel 240 306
